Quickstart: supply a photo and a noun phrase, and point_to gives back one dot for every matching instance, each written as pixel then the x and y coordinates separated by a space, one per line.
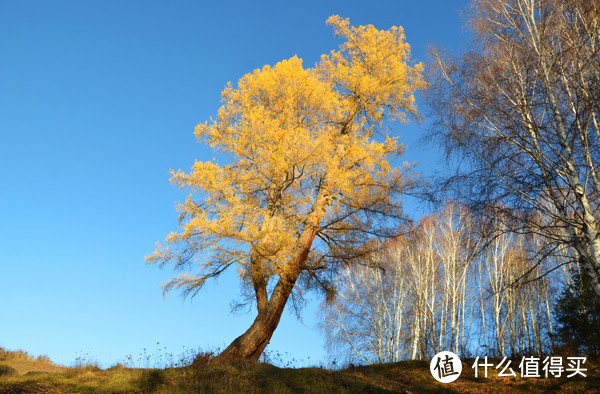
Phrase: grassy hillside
pixel 20 373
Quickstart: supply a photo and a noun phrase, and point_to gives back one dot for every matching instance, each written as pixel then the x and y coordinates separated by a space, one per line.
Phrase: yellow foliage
pixel 293 134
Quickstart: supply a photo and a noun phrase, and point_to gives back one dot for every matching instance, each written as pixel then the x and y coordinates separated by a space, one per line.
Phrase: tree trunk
pixel 251 344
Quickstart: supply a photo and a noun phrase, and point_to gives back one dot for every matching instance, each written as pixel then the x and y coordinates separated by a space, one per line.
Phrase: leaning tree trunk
pixel 251 344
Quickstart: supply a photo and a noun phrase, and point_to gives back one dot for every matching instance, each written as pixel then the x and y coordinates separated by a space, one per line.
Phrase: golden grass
pixel 243 377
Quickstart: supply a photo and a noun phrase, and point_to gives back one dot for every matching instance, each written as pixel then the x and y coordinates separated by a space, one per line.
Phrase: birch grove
pixel 450 283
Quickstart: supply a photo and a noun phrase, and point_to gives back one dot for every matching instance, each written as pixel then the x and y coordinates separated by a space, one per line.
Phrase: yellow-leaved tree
pixel 308 181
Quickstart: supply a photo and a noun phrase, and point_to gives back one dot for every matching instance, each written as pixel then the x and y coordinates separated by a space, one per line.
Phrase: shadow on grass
pixel 151 380
pixel 6 370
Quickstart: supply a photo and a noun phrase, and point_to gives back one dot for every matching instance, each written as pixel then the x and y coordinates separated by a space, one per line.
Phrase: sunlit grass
pixel 193 371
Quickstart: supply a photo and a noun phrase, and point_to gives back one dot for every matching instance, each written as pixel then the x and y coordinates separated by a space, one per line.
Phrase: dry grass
pixel 33 375
pixel 16 363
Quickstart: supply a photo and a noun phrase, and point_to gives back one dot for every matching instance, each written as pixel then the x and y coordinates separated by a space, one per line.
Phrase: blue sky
pixel 98 102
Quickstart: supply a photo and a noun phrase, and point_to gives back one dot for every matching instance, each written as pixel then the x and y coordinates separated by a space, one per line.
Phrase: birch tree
pixel 457 247
pixel 368 315
pixel 424 271
pixel 515 290
pixel 410 299
pixel 522 109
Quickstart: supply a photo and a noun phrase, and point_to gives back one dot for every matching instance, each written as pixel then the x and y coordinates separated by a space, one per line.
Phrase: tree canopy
pixel 309 177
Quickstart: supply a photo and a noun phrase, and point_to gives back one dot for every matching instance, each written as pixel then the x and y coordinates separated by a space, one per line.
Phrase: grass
pixel 16 363
pixel 21 373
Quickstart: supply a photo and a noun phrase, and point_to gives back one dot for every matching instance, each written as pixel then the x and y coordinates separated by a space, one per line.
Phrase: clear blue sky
pixel 98 101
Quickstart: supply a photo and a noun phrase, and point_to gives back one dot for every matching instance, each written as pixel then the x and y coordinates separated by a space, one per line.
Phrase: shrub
pixel 6 370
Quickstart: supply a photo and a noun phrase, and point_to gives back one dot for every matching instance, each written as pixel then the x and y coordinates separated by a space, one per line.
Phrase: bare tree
pixel 368 313
pixel 411 299
pixel 521 110
pixel 515 289
pixel 456 248
pixel 416 296
pixel 422 266
pixel 495 262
